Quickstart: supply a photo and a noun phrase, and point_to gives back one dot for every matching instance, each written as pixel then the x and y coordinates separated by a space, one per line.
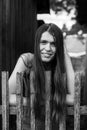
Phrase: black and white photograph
pixel 43 65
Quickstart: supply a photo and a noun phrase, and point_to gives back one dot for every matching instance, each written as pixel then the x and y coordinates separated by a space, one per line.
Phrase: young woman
pixel 49 54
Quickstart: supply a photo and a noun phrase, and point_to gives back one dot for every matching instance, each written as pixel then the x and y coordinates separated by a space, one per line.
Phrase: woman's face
pixel 47 47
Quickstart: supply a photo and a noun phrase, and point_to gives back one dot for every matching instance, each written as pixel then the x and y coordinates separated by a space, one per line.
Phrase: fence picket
pixel 77 102
pixel 32 94
pixel 47 103
pixel 19 104
pixel 5 101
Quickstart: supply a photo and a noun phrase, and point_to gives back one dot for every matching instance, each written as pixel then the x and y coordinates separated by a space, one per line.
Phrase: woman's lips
pixel 46 55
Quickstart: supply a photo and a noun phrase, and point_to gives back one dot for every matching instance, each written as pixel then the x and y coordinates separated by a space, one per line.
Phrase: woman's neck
pixel 49 65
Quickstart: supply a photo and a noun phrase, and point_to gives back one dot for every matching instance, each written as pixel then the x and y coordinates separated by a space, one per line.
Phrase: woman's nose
pixel 48 46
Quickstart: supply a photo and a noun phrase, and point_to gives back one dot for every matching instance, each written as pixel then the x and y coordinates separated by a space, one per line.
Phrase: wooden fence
pixel 19 107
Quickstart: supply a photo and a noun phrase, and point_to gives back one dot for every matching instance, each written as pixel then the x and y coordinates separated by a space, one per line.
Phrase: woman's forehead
pixel 47 36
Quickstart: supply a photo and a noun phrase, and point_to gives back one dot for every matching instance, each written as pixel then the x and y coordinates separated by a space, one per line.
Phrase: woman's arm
pixel 70 78
pixel 19 67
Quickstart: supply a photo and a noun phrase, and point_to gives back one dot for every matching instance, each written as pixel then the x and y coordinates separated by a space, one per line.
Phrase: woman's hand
pixel 13 100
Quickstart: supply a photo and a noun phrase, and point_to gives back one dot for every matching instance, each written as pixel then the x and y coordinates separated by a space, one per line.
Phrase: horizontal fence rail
pixel 20 108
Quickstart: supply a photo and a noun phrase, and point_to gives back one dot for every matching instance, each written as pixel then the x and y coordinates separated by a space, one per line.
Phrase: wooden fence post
pixel 48 98
pixel 19 94
pixel 77 102
pixel 5 101
pixel 32 94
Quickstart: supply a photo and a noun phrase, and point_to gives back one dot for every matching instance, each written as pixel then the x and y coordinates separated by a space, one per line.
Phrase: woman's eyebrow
pixel 43 40
pixel 47 41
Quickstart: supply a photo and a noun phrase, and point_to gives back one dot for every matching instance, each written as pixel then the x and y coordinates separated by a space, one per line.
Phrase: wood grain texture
pixel 5 101
pixel 48 98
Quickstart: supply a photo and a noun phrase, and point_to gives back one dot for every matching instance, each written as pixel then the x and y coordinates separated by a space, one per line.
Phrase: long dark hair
pixel 58 89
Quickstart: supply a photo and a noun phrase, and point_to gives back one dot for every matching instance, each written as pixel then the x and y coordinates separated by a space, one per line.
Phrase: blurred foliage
pixel 58 5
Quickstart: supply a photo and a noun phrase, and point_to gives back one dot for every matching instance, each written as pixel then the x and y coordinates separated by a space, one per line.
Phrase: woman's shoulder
pixel 28 55
pixel 27 58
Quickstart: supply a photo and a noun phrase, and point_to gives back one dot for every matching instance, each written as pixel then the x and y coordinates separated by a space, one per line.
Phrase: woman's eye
pixel 46 42
pixel 52 43
pixel 43 42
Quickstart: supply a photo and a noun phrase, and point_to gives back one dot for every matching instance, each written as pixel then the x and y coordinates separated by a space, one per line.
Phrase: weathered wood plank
pixel 32 94
pixel 70 110
pixel 5 101
pixel 48 98
pixel 19 104
pixel 77 102
pixel 83 110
